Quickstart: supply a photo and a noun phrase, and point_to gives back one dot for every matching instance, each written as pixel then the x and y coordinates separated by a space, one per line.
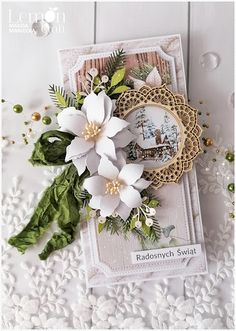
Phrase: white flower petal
pixel 108 204
pixel 94 107
pixel 141 184
pixel 95 185
pixel 72 120
pixel 108 107
pixel 92 161
pixel 80 164
pixel 130 197
pixel 138 83
pixel 130 173
pixel 78 147
pixel 154 78
pixel 95 202
pixel 107 169
pixel 123 138
pixel 113 126
pixel 105 146
pixel 121 159
pixel 123 211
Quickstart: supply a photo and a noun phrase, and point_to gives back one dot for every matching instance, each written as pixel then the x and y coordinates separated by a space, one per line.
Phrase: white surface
pixel 55 289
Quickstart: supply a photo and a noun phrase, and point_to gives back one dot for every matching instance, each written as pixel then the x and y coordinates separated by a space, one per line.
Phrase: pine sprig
pixel 115 61
pixel 155 232
pixel 141 73
pixel 60 98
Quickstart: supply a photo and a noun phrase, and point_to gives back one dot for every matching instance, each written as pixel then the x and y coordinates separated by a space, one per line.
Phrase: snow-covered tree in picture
pixel 169 131
pixel 146 125
pixel 174 137
pixel 149 132
pixel 141 121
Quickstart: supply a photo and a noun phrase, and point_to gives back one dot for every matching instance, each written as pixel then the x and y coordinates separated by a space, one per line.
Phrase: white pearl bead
pixel 101 220
pixel 138 224
pixel 152 212
pixel 149 222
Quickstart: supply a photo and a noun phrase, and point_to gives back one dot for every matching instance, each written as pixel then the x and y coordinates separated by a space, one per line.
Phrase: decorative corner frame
pixel 186 118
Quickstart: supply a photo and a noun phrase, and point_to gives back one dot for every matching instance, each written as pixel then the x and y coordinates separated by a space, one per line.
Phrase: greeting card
pixel 143 215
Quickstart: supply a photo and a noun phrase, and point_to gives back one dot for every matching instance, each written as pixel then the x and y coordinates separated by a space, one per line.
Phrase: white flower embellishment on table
pixel 97 132
pixel 147 75
pixel 116 188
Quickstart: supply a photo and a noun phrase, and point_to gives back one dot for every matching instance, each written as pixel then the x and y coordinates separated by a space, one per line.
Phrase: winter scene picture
pixel 158 136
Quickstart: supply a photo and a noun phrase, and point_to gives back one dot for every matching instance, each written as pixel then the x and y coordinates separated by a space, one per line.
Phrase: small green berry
pixel 230 157
pixel 46 120
pixel 18 109
pixel 231 187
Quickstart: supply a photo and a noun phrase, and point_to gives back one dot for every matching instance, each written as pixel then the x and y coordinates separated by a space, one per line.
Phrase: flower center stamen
pixel 91 130
pixel 113 187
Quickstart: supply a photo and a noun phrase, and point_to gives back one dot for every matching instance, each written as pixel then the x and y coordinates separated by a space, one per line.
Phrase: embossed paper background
pixel 52 294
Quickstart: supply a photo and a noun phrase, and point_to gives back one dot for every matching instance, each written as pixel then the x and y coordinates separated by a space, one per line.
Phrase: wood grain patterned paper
pixel 108 259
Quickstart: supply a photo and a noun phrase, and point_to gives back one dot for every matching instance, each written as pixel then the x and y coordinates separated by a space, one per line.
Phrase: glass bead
pixel 18 109
pixel 209 61
pixel 46 120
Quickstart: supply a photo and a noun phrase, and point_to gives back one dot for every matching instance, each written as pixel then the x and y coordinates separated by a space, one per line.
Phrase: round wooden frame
pixel 186 118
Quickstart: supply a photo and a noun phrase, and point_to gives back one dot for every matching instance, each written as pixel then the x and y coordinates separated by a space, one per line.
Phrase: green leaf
pixel 117 77
pixel 59 202
pixel 132 222
pixel 88 210
pixel 60 98
pixel 120 89
pixel 101 226
pixel 146 229
pixel 78 96
pixel 153 203
pixel 48 152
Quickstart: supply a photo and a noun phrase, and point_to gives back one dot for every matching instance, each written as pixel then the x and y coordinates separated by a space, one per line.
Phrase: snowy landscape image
pixel 158 136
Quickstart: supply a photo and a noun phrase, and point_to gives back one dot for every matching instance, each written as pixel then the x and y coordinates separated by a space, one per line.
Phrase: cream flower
pixel 153 80
pixel 97 132
pixel 116 188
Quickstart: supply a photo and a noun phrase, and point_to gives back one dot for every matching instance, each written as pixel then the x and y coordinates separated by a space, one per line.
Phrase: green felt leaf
pixel 101 226
pixel 153 203
pixel 59 202
pixel 61 100
pixel 48 152
pixel 117 77
pixel 60 97
pixel 146 229
pixel 120 89
pixel 132 222
pixel 88 210
pixel 78 96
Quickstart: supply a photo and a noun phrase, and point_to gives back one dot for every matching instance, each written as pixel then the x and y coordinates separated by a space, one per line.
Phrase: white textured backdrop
pixel 52 294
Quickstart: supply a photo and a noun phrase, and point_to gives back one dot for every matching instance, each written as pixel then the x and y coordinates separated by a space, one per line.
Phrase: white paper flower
pixel 97 132
pixel 153 80
pixel 116 188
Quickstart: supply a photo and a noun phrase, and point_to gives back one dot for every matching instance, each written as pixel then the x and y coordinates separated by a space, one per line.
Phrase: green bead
pixel 229 157
pixel 46 120
pixel 18 109
pixel 153 203
pixel 231 187
pixel 2 100
pixel 231 215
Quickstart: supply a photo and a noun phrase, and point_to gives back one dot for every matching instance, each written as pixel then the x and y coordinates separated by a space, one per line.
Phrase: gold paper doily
pixel 185 116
